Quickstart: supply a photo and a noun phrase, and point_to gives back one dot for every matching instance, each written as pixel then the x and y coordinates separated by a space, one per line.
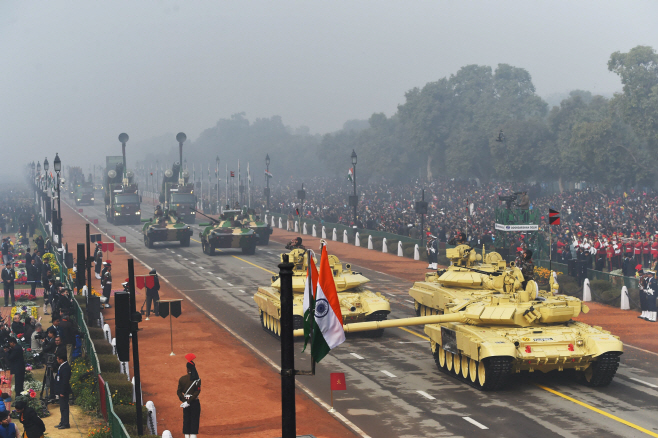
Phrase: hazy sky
pixel 77 73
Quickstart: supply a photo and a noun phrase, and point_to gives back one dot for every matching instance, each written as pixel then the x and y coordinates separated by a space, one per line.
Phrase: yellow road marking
pixel 414 333
pixel 254 264
pixel 599 411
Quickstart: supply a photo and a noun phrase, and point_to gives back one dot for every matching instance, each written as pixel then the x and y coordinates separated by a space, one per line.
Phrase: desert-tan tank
pixel 356 302
pixel 485 327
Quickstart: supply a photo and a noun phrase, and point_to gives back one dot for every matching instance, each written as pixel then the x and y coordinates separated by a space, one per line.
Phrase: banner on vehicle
pixel 528 227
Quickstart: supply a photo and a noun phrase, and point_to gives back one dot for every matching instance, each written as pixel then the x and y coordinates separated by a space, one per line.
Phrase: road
pixel 393 386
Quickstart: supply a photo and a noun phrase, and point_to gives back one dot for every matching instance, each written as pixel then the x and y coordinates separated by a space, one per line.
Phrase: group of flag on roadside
pixel 323 320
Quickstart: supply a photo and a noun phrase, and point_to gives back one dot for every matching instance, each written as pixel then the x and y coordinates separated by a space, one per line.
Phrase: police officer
pixel 642 284
pixel 98 260
pixel 432 252
pixel 107 285
pixel 650 297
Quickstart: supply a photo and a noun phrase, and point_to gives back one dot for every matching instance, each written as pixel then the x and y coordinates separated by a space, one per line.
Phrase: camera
pixel 508 199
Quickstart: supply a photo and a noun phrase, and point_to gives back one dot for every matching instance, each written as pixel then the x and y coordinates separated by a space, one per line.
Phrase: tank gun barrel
pixel 402 322
pixel 211 218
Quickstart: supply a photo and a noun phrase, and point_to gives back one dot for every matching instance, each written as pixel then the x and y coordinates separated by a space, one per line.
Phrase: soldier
pixel 98 260
pixel 107 285
pixel 432 251
pixel 189 388
pixel 651 294
pixel 642 284
pixel 646 250
pixel 527 267
pixel 638 252
pixel 158 212
pixel 296 243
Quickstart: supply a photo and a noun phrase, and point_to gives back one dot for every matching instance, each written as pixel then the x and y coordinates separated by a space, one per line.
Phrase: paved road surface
pixel 394 387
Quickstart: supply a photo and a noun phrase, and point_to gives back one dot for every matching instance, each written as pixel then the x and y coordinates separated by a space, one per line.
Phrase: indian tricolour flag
pixel 323 321
pixel 350 174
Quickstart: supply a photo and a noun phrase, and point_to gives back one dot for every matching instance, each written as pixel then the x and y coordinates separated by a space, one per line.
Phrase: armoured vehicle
pixel 122 200
pixel 251 221
pixel 76 176
pixel 228 232
pixel 166 228
pixel 485 326
pixel 83 193
pixel 356 302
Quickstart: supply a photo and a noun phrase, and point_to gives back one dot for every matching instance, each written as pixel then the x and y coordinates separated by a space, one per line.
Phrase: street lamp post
pixel 123 138
pixel 58 168
pixel 355 199
pixel 217 178
pixel 267 181
pixel 45 170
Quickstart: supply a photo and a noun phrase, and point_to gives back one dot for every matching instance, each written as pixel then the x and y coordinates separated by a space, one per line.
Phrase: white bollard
pixel 102 320
pixel 400 252
pixel 151 421
pixel 133 382
pixel 296 226
pixel 416 252
pixel 625 304
pixel 587 293
pixel 167 434
pixel 384 245
pixel 265 219
pixel 334 236
pixel 273 222
pixel 315 233
pixel 114 346
pixel 345 237
pixel 280 223
pixel 324 232
pixel 370 242
pixel 108 332
pixel 125 369
pixel 84 290
pixel 305 230
pixel 357 241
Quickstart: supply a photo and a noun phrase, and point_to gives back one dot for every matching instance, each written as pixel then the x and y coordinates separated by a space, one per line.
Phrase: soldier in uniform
pixel 98 260
pixel 642 284
pixel 432 251
pixel 527 267
pixel 189 388
pixel 158 213
pixel 295 243
pixel 651 294
pixel 107 285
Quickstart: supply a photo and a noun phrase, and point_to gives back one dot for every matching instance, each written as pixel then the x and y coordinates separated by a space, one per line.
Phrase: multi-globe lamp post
pixel 355 200
pixel 267 180
pixel 57 164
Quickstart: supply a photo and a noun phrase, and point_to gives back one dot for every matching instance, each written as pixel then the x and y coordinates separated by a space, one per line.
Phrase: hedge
pixel 128 414
pixel 109 363
pixel 96 333
pixel 120 388
pixel 102 347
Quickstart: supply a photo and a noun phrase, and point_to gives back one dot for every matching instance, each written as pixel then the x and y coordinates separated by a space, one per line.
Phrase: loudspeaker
pixel 93 309
pixel 80 279
pixel 572 268
pixel 301 194
pixel 122 324
pixel 68 259
pixel 354 200
pixel 421 207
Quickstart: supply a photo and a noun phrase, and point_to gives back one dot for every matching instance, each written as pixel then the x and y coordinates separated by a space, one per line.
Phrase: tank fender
pixel 472 347
pixel 600 343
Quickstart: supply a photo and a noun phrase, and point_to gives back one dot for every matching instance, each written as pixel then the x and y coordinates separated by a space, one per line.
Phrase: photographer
pixel 36 340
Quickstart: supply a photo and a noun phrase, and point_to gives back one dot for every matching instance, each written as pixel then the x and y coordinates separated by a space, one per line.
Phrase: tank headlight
pixel 116 213
pixel 92 199
pixel 579 342
pixel 139 212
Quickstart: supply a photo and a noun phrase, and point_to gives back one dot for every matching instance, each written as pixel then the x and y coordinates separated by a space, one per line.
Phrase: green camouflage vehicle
pixel 251 221
pixel 227 233
pixel 166 228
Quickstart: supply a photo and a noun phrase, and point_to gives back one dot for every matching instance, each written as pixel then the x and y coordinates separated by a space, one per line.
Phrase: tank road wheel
pixel 439 357
pixel 465 364
pixel 601 372
pixel 262 320
pixel 148 242
pixel 449 361
pixel 456 363
pixel 473 370
pixel 417 307
pixel 493 373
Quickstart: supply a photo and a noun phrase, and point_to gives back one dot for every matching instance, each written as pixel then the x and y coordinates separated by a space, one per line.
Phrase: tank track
pixel 499 370
pixel 604 369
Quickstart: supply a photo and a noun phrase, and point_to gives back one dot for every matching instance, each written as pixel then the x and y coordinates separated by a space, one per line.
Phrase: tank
pixel 228 232
pixel 251 221
pixel 484 327
pixel 357 303
pixel 167 228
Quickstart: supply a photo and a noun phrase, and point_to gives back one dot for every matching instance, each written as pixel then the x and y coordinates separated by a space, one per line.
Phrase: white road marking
pixel 195 264
pixel 388 373
pixel 356 355
pixel 219 278
pixel 184 259
pixel 232 285
pixel 201 267
pixel 209 272
pixel 387 293
pixel 412 342
pixel 409 301
pixel 179 255
pixel 651 385
pixel 475 423
pixel 244 292
pixel 426 395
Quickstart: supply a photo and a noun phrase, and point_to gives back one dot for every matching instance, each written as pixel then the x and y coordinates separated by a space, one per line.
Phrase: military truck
pixel 177 194
pixel 122 199
pixel 84 193
pixel 228 232
pixel 76 176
